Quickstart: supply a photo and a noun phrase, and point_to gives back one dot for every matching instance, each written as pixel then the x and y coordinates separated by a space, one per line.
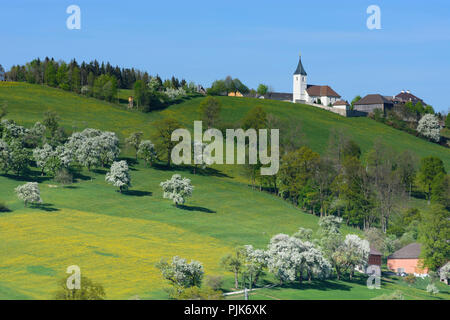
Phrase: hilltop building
pixel 369 103
pixel 305 93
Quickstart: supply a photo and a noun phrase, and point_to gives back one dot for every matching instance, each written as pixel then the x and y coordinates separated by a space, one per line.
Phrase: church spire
pixel 300 70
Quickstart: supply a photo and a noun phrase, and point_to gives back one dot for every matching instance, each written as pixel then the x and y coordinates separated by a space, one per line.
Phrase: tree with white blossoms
pixel 290 259
pixel 331 241
pixel 429 127
pixel 19 156
pixel 46 159
pixel 65 155
pixel 432 289
pixel 38 131
pixel 201 158
pixel 5 156
pixel 108 144
pixel 356 252
pixel 175 93
pixel 180 273
pixel 444 272
pixel 11 131
pixel 29 193
pixel 92 147
pixel 134 140
pixel 147 152
pixel 88 154
pixel 177 189
pixel 253 263
pixel 119 175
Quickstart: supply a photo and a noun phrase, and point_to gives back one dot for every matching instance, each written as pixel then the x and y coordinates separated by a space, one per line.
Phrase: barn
pixel 407 260
pixel 371 102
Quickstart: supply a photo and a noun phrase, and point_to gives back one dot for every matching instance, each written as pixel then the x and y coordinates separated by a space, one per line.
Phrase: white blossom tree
pixel 92 147
pixel 180 273
pixel 108 144
pixel 29 193
pixel 134 140
pixel 290 259
pixel 38 131
pixel 253 263
pixel 356 252
pixel 65 155
pixel 175 93
pixel 201 158
pixel 5 156
pixel 147 151
pixel 46 158
pixel 444 272
pixel 429 127
pixel 119 175
pixel 177 189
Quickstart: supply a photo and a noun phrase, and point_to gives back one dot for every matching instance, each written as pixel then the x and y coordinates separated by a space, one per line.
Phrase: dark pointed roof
pixel 300 69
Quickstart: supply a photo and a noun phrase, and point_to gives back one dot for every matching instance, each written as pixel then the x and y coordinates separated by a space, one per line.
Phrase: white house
pixel 304 93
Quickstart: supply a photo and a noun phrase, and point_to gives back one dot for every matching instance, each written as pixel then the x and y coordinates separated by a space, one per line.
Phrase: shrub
pixel 64 177
pixel 432 289
pixel 214 282
pixel 411 279
pixel 3 207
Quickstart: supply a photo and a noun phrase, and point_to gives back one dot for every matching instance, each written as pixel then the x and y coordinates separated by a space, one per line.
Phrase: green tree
pixel 210 108
pixel 139 92
pixel 440 190
pixel 134 140
pixel 355 100
pixel 296 170
pixel 163 136
pixel 430 167
pixel 256 119
pixel 234 262
pixel 262 89
pixel 434 233
pixel 62 76
pixel 50 74
pixel 75 80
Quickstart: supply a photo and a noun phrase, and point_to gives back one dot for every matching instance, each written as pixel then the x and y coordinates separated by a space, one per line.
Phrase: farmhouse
pixel 374 261
pixel 407 96
pixel 371 102
pixel 407 260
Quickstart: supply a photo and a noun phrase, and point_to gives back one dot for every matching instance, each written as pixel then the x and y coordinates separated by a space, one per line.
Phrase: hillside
pixel 78 112
pixel 115 238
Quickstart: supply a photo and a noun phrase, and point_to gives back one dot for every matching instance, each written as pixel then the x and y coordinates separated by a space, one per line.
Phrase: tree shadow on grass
pixel 99 171
pixel 130 161
pixel 188 168
pixel 323 285
pixel 193 208
pixel 49 207
pixel 71 187
pixel 137 193
pixel 77 176
pixel 27 177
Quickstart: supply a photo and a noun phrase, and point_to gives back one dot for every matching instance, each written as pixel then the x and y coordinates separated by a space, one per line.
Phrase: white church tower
pixel 299 83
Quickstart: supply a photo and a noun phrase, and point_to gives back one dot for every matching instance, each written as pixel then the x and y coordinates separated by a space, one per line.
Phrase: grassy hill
pixel 116 238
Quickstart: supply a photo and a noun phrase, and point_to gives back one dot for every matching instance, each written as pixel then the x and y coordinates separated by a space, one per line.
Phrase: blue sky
pixel 256 41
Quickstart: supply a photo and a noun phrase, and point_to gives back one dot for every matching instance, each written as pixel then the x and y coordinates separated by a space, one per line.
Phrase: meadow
pixel 116 238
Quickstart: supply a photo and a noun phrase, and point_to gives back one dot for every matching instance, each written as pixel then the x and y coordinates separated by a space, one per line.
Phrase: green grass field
pixel 116 238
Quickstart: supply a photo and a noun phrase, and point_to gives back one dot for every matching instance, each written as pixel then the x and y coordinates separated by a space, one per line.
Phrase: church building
pixel 305 93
